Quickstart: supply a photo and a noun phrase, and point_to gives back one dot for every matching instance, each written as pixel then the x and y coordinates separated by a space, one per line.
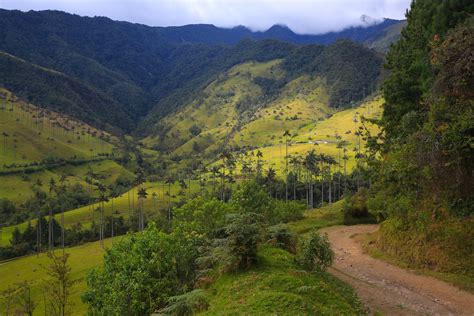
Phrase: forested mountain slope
pixel 142 72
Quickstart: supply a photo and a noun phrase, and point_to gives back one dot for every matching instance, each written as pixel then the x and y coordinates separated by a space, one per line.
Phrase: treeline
pixel 424 183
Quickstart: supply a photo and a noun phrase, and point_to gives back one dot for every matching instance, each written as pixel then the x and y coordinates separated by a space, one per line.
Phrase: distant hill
pixel 116 75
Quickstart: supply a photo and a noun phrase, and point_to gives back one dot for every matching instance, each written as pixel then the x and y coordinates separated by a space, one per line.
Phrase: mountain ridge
pixel 144 71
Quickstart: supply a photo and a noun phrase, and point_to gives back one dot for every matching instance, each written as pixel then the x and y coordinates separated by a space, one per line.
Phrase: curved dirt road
pixel 388 289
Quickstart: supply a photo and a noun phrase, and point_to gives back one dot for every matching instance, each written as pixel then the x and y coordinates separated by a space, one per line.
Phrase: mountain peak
pixel 369 21
pixel 279 29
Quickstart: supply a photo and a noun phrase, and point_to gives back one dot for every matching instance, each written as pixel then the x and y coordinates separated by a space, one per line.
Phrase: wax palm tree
pixel 286 134
pixel 311 165
pixel 142 194
pixel 295 162
pixel 52 188
pixel 103 198
pixel 38 201
pixel 62 190
pixel 169 181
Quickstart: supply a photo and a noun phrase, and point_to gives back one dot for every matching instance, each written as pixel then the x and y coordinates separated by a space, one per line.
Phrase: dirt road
pixel 388 289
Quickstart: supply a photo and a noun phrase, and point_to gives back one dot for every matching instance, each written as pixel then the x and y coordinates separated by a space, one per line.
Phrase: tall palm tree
pixel 311 164
pixel 286 134
pixel 103 198
pixel 52 188
pixel 142 194
pixel 296 163
pixel 345 158
pixel 62 190
pixel 225 156
pixel 38 201
pixel 169 181
pixel 330 161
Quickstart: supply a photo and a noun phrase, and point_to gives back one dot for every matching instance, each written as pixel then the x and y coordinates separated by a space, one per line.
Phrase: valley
pixel 198 169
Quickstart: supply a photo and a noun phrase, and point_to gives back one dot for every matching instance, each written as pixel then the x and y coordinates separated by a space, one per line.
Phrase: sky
pixel 302 16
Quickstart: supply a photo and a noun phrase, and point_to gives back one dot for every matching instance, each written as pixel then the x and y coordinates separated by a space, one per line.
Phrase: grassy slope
pixel 301 107
pixel 39 134
pixel 464 281
pixel 82 259
pixel 17 189
pixel 85 215
pixel 278 286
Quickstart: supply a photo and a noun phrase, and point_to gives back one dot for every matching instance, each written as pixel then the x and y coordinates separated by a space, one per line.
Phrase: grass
pixel 85 215
pixel 329 215
pixel 82 259
pixel 18 188
pixel 278 286
pixel 275 285
pixel 462 281
pixel 29 134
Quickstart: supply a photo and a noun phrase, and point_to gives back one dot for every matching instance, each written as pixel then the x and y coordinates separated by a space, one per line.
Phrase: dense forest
pixel 424 182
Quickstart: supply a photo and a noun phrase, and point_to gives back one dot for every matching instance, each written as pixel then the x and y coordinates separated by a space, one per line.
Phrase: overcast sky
pixel 302 16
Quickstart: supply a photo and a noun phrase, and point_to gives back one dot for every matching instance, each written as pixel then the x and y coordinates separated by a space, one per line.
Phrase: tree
pixel 59 284
pixel 24 298
pixel 310 164
pixel 60 193
pixel 102 198
pixel 286 134
pixel 52 188
pixel 142 194
pixel 141 272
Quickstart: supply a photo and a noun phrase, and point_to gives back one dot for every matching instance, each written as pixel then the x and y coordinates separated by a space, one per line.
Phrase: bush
pixel 141 272
pixel 284 212
pixel 189 303
pixel 202 215
pixel 279 236
pixel 355 209
pixel 314 252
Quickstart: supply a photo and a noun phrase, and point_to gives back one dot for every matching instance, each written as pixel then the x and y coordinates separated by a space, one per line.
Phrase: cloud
pixel 302 16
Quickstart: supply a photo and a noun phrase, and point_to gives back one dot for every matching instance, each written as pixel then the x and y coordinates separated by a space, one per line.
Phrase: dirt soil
pixel 388 289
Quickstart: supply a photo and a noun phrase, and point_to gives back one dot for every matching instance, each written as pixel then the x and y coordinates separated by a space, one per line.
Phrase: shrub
pixel 280 236
pixel 202 215
pixel 250 197
pixel 284 212
pixel 242 240
pixel 141 272
pixel 355 209
pixel 189 303
pixel 314 252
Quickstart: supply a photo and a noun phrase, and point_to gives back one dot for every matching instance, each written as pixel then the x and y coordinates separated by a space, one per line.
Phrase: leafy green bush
pixel 280 236
pixel 250 197
pixel 355 209
pixel 185 304
pixel 202 215
pixel 284 212
pixel 141 272
pixel 243 232
pixel 314 252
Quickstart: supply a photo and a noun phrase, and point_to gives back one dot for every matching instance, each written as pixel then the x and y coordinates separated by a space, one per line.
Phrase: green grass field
pixel 18 187
pixel 82 259
pixel 86 214
pixel 30 134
